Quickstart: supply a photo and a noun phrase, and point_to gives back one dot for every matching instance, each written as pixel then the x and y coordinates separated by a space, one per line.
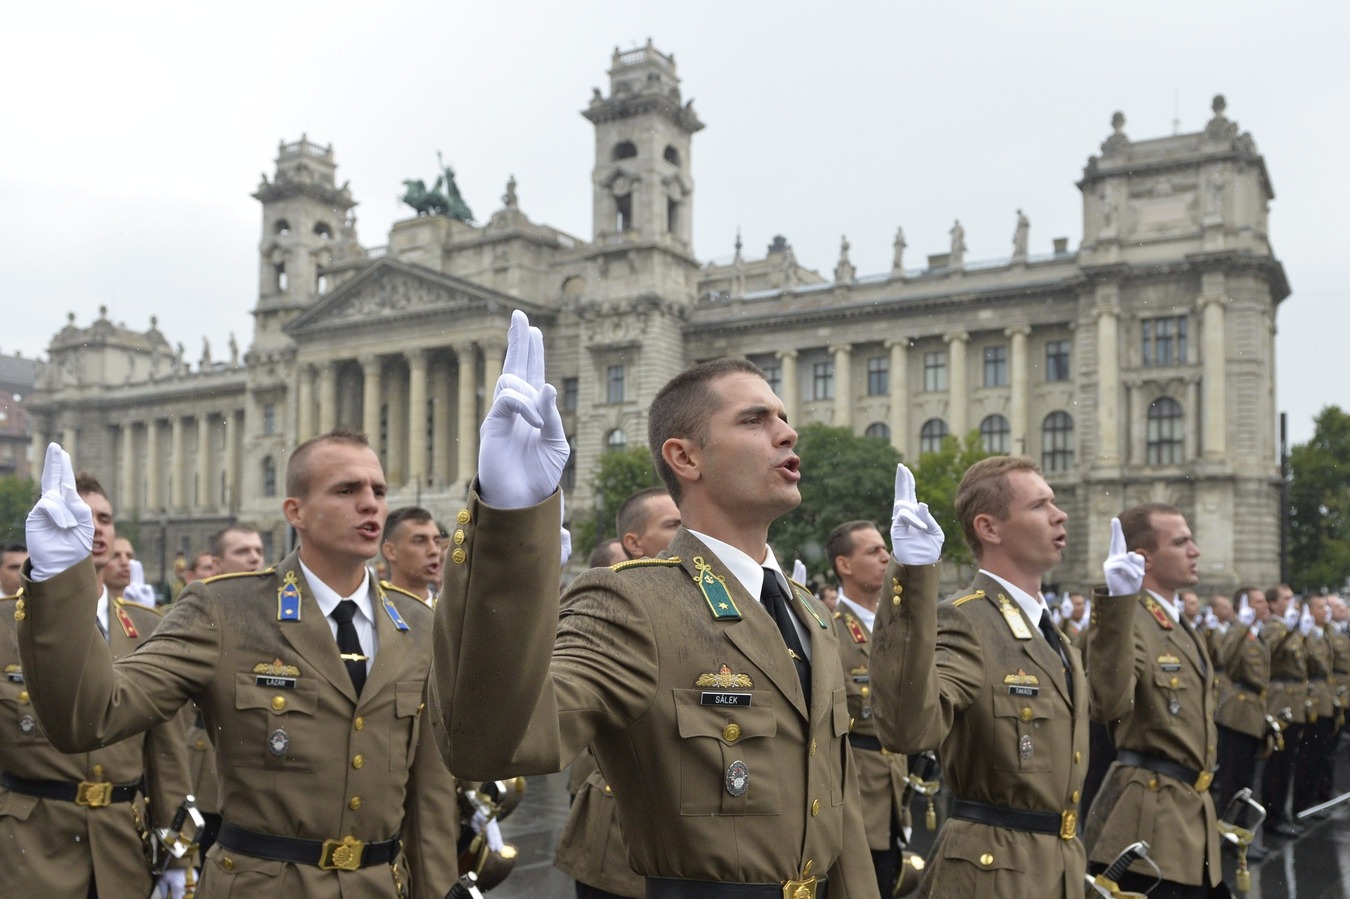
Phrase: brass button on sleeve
pixel 355 803
pixel 358 760
pixel 463 516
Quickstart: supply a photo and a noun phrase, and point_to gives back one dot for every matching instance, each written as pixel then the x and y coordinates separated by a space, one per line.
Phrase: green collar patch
pixel 715 592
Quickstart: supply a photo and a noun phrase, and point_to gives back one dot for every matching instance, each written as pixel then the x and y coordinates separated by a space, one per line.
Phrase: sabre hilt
pixel 1127 857
pixel 465 888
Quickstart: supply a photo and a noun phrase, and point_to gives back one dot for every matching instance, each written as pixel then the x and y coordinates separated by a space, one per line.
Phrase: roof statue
pixel 435 201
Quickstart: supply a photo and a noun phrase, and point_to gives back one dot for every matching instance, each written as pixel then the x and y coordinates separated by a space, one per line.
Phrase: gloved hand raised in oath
pixel 1124 570
pixel 916 538
pixel 60 528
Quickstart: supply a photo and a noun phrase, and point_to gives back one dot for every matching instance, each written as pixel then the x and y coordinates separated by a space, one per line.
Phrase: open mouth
pixel 792 468
pixel 369 529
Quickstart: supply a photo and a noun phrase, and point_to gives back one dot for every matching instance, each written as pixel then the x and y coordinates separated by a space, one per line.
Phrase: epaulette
pixel 135 605
pixel 638 563
pixel 388 586
pixel 978 594
pixel 229 574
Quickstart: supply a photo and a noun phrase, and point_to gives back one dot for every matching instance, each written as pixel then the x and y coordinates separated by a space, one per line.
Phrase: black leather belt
pixel 92 794
pixel 347 854
pixel 1200 780
pixel 675 888
pixel 1062 824
pixel 862 741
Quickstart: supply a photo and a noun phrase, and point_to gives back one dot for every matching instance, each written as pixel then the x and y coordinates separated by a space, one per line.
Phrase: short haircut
pixel 1241 593
pixel 633 515
pixel 682 407
pixel 297 466
pixel 984 490
pixel 840 541
pixel 1273 593
pixel 1136 523
pixel 600 556
pixel 85 483
pixel 13 548
pixel 197 557
pixel 218 538
pixel 402 514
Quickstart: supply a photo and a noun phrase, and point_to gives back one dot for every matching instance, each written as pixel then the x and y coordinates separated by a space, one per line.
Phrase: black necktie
pixel 349 644
pixel 1052 635
pixel 776 604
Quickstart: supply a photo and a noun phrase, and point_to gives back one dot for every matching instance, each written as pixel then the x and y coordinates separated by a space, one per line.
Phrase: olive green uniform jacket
pixel 300 756
pixel 591 849
pixel 50 847
pixel 1288 670
pixel 1246 665
pixel 953 676
pixel 1152 680
pixel 680 683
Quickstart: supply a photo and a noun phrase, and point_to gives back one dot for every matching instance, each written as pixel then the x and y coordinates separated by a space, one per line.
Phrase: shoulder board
pixel 126 603
pixel 392 589
pixel 978 594
pixel 221 577
pixel 645 563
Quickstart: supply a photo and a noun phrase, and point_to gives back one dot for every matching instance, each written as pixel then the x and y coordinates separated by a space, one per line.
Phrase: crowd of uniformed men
pixel 734 734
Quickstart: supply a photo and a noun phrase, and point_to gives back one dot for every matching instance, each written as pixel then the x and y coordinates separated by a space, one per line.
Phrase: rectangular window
pixel 878 376
pixel 614 384
pixel 773 373
pixel 569 397
pixel 996 366
pixel 1057 360
pixel 822 381
pixel 269 418
pixel 935 370
pixel 1164 341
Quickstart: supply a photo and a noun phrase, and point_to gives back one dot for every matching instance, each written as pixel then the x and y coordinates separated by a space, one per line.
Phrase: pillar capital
pixel 955 337
pixel 1017 331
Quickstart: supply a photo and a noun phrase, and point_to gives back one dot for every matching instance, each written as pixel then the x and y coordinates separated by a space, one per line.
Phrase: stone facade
pixel 1139 367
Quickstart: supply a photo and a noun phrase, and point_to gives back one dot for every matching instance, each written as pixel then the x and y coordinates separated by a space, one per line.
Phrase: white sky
pixel 134 134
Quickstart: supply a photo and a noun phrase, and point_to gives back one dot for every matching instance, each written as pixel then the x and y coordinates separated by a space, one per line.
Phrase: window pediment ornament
pixel 389 296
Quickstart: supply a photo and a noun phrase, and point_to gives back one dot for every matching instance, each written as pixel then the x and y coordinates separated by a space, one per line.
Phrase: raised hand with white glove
pixel 138 591
pixel 1291 615
pixel 1246 615
pixel 522 449
pixel 916 538
pixel 1124 570
pixel 799 571
pixel 1306 623
pixel 60 528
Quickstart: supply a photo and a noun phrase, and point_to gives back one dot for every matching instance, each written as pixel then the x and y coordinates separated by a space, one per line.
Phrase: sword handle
pixel 1126 858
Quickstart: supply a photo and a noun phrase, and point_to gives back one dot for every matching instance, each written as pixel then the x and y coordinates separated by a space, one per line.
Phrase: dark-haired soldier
pixel 412 547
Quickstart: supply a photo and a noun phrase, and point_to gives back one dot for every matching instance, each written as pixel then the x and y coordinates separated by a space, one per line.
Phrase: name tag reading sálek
pixel 708 697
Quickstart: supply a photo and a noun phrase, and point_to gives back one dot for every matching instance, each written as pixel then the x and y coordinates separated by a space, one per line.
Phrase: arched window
pixel 1166 432
pixel 672 156
pixel 616 440
pixel 269 476
pixel 322 229
pixel 625 150
pixel 1057 442
pixel 879 430
pixel 281 227
pixel 994 431
pixel 931 435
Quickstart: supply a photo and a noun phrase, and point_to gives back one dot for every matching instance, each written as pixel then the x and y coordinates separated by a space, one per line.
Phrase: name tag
pixel 1171 666
pixel 738 699
pixel 862 679
pixel 277 683
pixel 1018 690
pixel 15 677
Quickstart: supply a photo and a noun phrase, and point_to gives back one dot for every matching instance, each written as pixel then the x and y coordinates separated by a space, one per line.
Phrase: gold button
pixel 463 516
pixel 458 557
pixel 18 604
pixel 608 791
pixel 1026 713
pixel 899 588
pixel 850 725
pixel 459 537
pixel 19 615
pixel 355 803
pixel 731 733
pixel 98 771
pixel 23 696
pixel 1153 783
pixel 358 760
pixel 865 691
pixel 815 808
pixel 1175 681
pixel 278 703
pixel 986 859
pixel 1077 757
pixel 201 744
pixel 420 707
pixel 895 600
pixel 359 723
pixel 227 863
pixel 1073 797
pixel 885 751
pixel 813 747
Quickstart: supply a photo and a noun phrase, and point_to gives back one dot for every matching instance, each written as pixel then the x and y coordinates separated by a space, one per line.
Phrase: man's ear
pixel 290 507
pixel 986 528
pixel 630 546
pixel 681 454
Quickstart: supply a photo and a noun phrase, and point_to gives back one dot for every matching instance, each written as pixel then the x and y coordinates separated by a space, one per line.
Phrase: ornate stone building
pixel 1139 367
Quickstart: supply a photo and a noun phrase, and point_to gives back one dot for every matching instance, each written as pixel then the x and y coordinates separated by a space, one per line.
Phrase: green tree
pixel 844 477
pixel 1319 504
pixel 17 495
pixel 619 474
pixel 936 477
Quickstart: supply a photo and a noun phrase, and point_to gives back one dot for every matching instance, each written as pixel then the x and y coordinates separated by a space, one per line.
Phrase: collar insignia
pixel 805 596
pixel 389 610
pixel 1159 615
pixel 1013 616
pixel 125 620
pixel 288 598
pixel 715 592
pixel 855 628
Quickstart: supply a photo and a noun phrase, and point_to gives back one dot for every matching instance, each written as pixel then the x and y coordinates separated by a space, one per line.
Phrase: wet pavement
pixel 1314 866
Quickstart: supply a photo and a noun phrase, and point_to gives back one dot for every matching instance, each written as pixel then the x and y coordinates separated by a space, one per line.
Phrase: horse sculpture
pixel 448 203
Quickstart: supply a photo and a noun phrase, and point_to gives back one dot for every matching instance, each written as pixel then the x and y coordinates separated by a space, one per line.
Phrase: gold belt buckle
pixel 93 793
pixel 1068 824
pixel 1203 781
pixel 800 889
pixel 341 855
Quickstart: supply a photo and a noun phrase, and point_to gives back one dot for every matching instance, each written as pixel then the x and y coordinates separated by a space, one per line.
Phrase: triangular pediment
pixel 390 292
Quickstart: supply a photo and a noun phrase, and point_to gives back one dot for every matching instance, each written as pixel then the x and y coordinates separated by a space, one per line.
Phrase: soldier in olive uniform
pixel 1314 752
pixel 1288 690
pixel 1241 716
pixel 73 825
pixel 722 729
pixel 1151 677
pixel 310 678
pixel 988 681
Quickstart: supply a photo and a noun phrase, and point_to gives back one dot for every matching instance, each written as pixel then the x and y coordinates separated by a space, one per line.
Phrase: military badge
pixel 724 679
pixel 1013 616
pixel 27 724
pixel 392 612
pixel 1174 706
pixel 288 598
pixel 278 743
pixel 14 674
pixel 275 674
pixel 1024 748
pixel 1156 610
pixel 859 674
pixel 125 620
pixel 1022 684
pixel 1169 662
pixel 737 779
pixel 855 628
pixel 714 589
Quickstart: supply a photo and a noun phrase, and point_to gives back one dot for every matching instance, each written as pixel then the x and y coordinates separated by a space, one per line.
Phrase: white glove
pixel 916 538
pixel 1211 620
pixel 1087 610
pixel 1306 623
pixel 1291 616
pixel 493 833
pixel 172 883
pixel 1124 570
pixel 799 571
pixel 138 590
pixel 521 448
pixel 566 535
pixel 1246 615
pixel 60 527
pixel 1066 607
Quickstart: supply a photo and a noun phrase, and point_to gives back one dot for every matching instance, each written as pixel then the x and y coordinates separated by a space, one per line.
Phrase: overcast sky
pixel 135 134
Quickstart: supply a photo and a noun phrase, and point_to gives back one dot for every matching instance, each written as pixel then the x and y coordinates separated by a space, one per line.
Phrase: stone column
pixel 204 492
pixel 370 399
pixel 328 378
pixel 843 385
pixel 231 424
pixel 1193 426
pixel 440 423
pixel 957 398
pixel 494 354
pixel 1021 388
pixel 787 384
pixel 154 467
pixel 899 384
pixel 177 464
pixel 37 451
pixel 1213 407
pixel 1108 385
pixel 417 416
pixel 68 440
pixel 466 431
pixel 398 423
pixel 126 492
pixel 304 402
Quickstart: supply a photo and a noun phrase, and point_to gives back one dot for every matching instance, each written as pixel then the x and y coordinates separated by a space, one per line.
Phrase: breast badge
pixel 1022 684
pixel 14 674
pixel 1169 662
pixel 27 724
pixel 1024 749
pixel 738 778
pixel 278 743
pixel 724 679
pixel 275 674
pixel 1174 706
